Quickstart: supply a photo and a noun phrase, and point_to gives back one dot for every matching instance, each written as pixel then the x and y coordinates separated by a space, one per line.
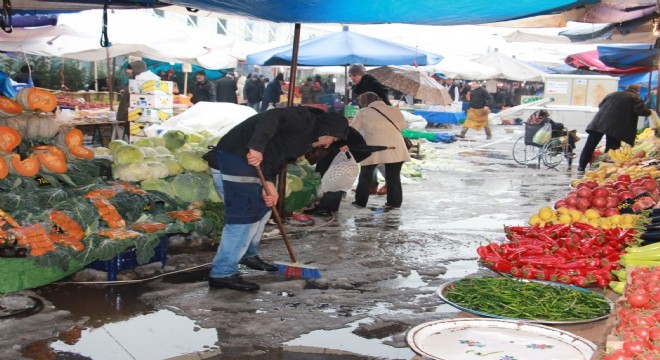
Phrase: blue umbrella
pixel 628 56
pixel 342 49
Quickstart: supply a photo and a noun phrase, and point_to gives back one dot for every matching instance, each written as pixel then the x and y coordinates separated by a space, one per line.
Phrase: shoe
pixel 256 263
pixel 234 282
pixel 571 155
pixel 460 136
pixel 382 190
pixel 317 211
pixel 488 137
pixel 386 206
pixel 580 170
pixel 357 205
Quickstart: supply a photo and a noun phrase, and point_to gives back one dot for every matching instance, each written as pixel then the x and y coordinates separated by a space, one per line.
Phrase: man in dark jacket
pixel 226 89
pixel 267 140
pixel 253 91
pixel 366 83
pixel 272 92
pixel 204 90
pixel 616 119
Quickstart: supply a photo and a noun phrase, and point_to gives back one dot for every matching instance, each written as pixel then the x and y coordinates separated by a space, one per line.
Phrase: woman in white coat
pixel 381 125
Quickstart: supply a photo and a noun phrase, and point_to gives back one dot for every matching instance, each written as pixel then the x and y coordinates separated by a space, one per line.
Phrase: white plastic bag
pixel 341 174
pixel 543 135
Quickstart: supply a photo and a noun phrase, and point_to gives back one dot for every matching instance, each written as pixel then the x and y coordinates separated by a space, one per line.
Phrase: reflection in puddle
pixel 345 340
pixel 158 335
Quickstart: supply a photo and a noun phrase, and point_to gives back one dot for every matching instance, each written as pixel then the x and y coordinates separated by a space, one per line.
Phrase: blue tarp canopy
pixel 429 12
pixel 628 56
pixel 344 48
pixel 639 79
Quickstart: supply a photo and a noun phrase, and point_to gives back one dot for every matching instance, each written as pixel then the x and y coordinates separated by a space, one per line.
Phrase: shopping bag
pixel 341 173
pixel 543 135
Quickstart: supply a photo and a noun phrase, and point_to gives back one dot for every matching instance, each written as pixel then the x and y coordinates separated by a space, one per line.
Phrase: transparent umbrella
pixel 413 83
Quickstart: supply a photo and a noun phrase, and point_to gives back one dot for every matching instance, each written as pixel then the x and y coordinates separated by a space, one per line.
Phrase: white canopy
pixel 131 32
pixel 510 68
pixel 456 67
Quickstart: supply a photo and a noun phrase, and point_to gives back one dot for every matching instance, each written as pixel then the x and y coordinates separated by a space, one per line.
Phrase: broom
pixel 293 268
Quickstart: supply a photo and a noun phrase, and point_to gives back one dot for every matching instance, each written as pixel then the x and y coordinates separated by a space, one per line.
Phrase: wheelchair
pixel 552 153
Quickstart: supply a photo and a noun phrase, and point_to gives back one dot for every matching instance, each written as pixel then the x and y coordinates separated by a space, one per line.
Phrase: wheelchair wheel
pixel 522 153
pixel 552 153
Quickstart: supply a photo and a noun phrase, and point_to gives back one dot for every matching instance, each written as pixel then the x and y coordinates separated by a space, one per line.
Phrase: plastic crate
pixel 128 260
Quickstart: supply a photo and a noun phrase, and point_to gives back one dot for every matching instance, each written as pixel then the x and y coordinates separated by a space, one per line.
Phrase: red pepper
pixel 560 251
pixel 565 279
pixel 576 264
pixel 547 239
pixel 611 259
pixel 580 281
pixel 560 230
pixel 601 281
pixel 544 260
pixel 609 250
pixel 595 262
pixel 494 248
pixel 515 271
pixel 502 266
pixel 583 226
pixel 529 272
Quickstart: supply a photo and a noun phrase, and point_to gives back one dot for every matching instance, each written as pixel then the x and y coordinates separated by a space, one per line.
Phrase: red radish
pixel 560 204
pixel 598 202
pixel 583 203
pixel 623 177
pixel 649 184
pixel 625 195
pixel 571 200
pixel 611 202
pixel 636 190
pixel 611 211
pixel 621 185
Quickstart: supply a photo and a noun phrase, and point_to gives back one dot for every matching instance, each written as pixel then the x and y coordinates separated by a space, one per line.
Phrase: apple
pixel 611 211
pixel 600 191
pixel 623 195
pixel 649 185
pixel 623 177
pixel 636 190
pixel 592 184
pixel 582 184
pixel 584 192
pixel 560 204
pixel 598 202
pixel 583 203
pixel 571 200
pixel 621 185
pixel 609 183
pixel 612 201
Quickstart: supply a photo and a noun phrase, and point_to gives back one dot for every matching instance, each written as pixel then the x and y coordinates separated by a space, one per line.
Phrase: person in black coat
pixel 616 118
pixel 272 92
pixel 226 89
pixel 268 141
pixel 330 200
pixel 203 90
pixel 253 91
pixel 364 82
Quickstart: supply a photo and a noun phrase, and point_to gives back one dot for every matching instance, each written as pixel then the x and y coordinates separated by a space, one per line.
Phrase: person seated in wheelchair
pixel 542 117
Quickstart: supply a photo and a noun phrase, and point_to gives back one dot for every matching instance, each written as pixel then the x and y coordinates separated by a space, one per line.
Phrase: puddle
pixel 158 335
pixel 345 340
pixel 461 268
pixel 411 281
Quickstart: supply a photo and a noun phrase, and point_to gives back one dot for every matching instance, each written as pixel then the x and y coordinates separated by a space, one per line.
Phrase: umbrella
pixel 413 83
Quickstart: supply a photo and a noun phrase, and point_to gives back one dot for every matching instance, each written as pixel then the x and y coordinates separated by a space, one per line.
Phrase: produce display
pixel 527 300
pixel 577 254
pixel 68 101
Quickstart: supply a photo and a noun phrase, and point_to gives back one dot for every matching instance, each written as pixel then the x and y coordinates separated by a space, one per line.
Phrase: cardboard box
pixel 150 87
pixel 151 101
pixel 146 115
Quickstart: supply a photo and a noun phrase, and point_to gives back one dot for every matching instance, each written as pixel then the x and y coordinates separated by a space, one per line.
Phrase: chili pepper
pixel 583 226
pixel 595 262
pixel 580 281
pixel 573 264
pixel 601 281
pixel 562 252
pixel 565 279
pixel 611 259
pixel 546 238
pixel 502 266
pixel 609 250
pixel 515 271
pixel 482 251
pixel 561 230
pixel 546 260
pixel 494 247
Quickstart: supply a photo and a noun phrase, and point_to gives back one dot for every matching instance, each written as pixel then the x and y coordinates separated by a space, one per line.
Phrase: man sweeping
pixel 477 113
pixel 267 140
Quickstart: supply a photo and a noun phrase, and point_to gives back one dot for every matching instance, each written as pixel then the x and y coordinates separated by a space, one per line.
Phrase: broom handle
pixel 277 217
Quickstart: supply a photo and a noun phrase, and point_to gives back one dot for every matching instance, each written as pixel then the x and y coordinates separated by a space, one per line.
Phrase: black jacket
pixel 369 83
pixel 354 138
pixel 272 92
pixel 253 90
pixel 281 135
pixel 479 98
pixel 226 90
pixel 204 91
pixel 617 116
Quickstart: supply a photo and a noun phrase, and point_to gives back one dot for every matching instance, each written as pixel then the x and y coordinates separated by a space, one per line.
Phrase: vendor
pixel 134 69
pixel 268 141
pixel 204 90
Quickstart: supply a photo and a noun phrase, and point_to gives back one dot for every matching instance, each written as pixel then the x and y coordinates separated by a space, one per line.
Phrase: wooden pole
pixel 294 64
pixel 111 77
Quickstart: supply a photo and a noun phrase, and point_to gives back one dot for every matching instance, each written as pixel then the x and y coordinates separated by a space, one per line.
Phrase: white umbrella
pixel 462 68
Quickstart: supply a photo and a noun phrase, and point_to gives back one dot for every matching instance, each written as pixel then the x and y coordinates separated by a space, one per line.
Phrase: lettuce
pixel 192 162
pixel 174 139
pixel 127 154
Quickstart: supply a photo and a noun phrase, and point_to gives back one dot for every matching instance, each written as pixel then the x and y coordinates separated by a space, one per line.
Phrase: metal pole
pixel 346 100
pixel 111 77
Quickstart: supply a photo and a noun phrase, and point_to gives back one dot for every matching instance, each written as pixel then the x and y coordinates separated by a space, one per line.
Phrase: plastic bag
pixel 341 174
pixel 654 120
pixel 543 135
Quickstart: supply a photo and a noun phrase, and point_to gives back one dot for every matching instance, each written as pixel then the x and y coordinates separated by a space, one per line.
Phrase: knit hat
pixel 138 67
pixel 333 124
pixel 201 72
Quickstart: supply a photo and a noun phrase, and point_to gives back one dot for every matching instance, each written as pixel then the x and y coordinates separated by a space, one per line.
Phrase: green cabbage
pixel 173 166
pixel 162 150
pixel 158 170
pixel 296 170
pixel 213 195
pixel 144 142
pixel 189 187
pixel 158 185
pixel 158 141
pixel 192 162
pixel 294 183
pixel 193 137
pixel 132 172
pixel 174 139
pixel 114 144
pixel 147 151
pixel 127 154
pixel 101 151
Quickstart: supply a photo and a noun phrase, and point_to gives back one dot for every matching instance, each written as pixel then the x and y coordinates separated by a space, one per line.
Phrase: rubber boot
pixel 489 134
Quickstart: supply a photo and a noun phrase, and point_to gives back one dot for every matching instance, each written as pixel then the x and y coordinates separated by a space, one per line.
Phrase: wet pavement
pixel 380 270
